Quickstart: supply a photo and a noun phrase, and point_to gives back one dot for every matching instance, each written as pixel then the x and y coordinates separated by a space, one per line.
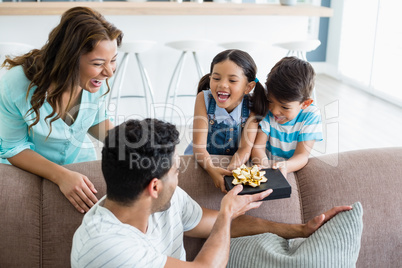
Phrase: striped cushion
pixel 335 244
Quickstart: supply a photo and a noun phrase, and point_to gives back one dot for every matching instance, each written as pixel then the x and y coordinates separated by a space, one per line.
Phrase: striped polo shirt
pixel 283 138
pixel 103 241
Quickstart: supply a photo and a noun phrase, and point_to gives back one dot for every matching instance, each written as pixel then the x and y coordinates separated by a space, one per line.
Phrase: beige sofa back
pixel 37 221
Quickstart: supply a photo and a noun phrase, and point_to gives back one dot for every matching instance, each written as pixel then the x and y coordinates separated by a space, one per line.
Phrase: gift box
pixel 276 181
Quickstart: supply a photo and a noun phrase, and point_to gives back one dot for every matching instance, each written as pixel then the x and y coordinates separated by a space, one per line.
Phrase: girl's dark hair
pixel 57 63
pixel 258 99
pixel 291 79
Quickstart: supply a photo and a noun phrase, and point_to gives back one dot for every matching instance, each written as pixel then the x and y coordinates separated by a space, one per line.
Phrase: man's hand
pixel 236 205
pixel 312 225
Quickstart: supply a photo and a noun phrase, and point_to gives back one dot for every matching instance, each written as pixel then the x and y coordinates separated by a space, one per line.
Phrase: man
pixel 141 220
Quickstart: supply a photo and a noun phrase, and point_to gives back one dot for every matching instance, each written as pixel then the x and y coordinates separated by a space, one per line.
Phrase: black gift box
pixel 276 181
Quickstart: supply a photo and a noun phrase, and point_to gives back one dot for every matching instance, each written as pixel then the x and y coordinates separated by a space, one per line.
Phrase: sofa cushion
pixel 372 177
pixel 61 219
pixel 335 244
pixel 20 222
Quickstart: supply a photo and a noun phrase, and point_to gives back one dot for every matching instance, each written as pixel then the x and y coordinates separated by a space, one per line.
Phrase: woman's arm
pixel 100 130
pixel 77 188
pixel 200 136
pixel 248 136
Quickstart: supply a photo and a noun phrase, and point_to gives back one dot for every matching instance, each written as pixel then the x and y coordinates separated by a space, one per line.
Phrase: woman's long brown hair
pixel 56 64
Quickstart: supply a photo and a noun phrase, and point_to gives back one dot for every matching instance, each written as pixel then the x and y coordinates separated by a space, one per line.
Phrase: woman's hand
pixel 217 175
pixel 78 189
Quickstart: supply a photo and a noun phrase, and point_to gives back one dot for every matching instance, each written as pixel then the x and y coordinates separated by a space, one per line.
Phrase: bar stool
pixel 186 46
pixel 299 49
pixel 12 49
pixel 132 47
pixel 245 45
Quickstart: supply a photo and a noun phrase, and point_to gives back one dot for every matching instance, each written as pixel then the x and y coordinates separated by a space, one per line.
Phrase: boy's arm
pixel 298 160
pixel 258 153
pixel 248 136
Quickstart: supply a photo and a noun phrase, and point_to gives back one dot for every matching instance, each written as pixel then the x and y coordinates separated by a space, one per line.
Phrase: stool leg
pixel 177 70
pixel 197 63
pixel 124 67
pixel 146 84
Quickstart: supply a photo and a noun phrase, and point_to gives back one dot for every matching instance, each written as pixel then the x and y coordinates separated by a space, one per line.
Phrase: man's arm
pixel 215 252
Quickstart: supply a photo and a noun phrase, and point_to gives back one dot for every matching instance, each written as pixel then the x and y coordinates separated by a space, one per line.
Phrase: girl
pixel 223 107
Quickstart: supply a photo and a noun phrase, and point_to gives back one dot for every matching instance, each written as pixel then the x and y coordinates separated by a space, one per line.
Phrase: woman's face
pixel 98 65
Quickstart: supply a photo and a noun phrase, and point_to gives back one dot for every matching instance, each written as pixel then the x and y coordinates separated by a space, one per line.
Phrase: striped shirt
pixel 103 241
pixel 283 138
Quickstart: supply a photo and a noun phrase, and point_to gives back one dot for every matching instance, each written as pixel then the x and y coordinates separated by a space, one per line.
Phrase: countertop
pixel 165 8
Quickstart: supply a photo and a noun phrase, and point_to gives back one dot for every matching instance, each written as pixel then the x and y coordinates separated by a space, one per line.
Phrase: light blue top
pixel 66 144
pixel 283 138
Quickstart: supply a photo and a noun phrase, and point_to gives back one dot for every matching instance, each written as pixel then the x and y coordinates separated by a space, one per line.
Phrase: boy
pixel 293 123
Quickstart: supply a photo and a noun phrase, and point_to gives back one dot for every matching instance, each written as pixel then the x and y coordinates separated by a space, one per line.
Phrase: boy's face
pixel 286 111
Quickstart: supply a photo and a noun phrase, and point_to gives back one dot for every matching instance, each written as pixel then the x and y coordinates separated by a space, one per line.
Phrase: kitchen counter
pixel 166 8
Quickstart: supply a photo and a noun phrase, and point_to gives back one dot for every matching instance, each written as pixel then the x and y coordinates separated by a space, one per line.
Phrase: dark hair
pixel 291 79
pixel 57 63
pixel 258 99
pixel 134 153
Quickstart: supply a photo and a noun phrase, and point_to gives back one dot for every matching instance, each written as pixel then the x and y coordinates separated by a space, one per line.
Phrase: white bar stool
pixel 12 49
pixel 299 49
pixel 246 46
pixel 186 46
pixel 133 47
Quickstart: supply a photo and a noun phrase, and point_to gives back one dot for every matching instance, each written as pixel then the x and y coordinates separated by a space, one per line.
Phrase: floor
pixel 352 119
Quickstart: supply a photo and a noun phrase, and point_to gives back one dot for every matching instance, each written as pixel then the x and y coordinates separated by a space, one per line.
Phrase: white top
pixel 103 241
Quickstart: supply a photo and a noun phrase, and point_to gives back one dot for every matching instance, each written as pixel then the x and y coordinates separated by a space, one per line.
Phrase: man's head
pixel 135 153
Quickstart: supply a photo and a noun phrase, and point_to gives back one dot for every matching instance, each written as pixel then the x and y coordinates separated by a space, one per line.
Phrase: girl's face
pixel 98 65
pixel 284 112
pixel 229 84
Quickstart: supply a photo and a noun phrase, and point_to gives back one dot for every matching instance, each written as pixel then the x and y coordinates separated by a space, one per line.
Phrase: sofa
pixel 38 222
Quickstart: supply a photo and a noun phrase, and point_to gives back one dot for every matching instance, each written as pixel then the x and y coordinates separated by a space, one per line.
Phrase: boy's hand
pixel 217 175
pixel 282 166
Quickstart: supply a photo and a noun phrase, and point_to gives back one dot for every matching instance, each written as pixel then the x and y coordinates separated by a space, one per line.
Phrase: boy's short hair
pixel 291 79
pixel 134 153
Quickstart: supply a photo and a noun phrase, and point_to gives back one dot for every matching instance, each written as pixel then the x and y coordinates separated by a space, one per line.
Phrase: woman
pixel 51 98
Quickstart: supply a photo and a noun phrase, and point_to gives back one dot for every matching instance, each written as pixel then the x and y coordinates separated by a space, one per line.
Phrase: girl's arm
pixel 258 153
pixel 248 136
pixel 298 160
pixel 77 188
pixel 200 136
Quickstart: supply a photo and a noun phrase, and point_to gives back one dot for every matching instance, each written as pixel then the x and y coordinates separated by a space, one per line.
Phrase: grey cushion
pixel 335 244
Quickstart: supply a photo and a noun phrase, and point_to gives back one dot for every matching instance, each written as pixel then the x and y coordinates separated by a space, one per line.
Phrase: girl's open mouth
pixel 223 96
